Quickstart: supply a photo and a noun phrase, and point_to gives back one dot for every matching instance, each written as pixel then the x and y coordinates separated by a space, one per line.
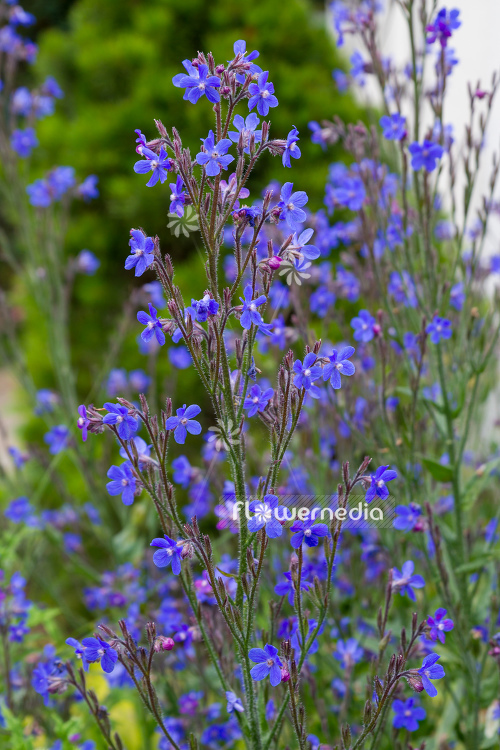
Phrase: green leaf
pixel 476 564
pixel 478 483
pixel 440 472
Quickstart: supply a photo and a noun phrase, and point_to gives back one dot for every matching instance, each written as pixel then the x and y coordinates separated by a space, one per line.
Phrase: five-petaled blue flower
pixel 439 328
pixel 408 516
pixel 439 625
pixel 407 715
pixel 153 325
pixel 122 482
pixel 199 83
pixel 307 372
pixel 57 438
pixel 204 307
pixel 348 653
pixel 287 588
pixel 177 196
pixel 364 326
pixel 308 532
pixel 79 651
pixel 265 516
pixel 257 399
pixel 378 481
pixel 233 702
pixel 126 424
pixel 339 365
pixel 184 423
pixel 393 127
pixel 291 205
pixel 168 554
pixel 431 671
pixel 425 156
pixel 404 581
pixel 215 156
pixel 441 28
pixel 159 165
pixel 267 664
pixel 249 313
pixel 96 650
pixel 291 147
pixel 244 129
pixel 299 245
pixel 262 95
pixel 141 252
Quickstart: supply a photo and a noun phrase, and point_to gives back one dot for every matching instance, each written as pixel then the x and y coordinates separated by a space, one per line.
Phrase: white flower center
pixel 265 94
pixel 307 372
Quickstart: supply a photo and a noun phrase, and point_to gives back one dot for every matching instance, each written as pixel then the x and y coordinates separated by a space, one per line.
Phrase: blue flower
pixel 199 83
pixel 184 423
pixel 182 471
pixel 159 165
pixel 244 129
pixel 23 142
pixel 291 206
pixel 377 487
pixel 153 325
pixel 233 702
pixel 307 372
pixel 122 482
pixel 79 651
pixel 339 365
pixel 348 653
pixel 404 581
pixel 431 671
pixel 402 288
pixel 118 415
pixel 214 157
pixel 299 245
pixel 168 554
pixel 257 399
pixel 262 95
pixel 351 193
pixel 88 188
pixel 20 510
pixel 204 307
pixel 364 326
pixel 265 516
pixel 83 422
pixel 286 588
pixel 57 439
pixel 457 296
pixel 425 155
pixel 439 625
pixel 308 532
pixel 87 262
pixel 407 715
pixel 177 196
pixel 291 147
pixel 439 328
pixel 408 516
pixel 96 650
pixel 393 127
pixel 445 22
pixel 249 313
pixel 268 664
pixel 142 252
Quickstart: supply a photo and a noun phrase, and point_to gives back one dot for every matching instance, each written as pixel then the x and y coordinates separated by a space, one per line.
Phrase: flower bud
pixel 164 643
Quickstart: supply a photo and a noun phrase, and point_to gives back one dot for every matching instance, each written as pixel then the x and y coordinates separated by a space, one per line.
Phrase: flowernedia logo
pixel 186 223
pixel 310 508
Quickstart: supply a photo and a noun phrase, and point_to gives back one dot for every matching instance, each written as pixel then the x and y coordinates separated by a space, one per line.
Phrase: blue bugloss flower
pixel 88 188
pixel 57 438
pixel 257 399
pixel 407 715
pixel 245 128
pixel 153 325
pixel 184 422
pixel 23 142
pixel 348 653
pixel 265 516
pixel 308 532
pixel 457 296
pixel 286 588
pixel 168 554
pixel 439 328
pixel 439 625
pixel 291 147
pixel 262 95
pixel 96 650
pixel 408 516
pixel 177 196
pixel 378 481
pixel 204 307
pixel 142 252
pixel 83 422
pixel 126 424
pixel 442 27
pixel 351 193
pixel 215 156
pixel 87 263
pixel 291 206
pixel 122 482
pixel 307 372
pixel 339 365
pixel 404 581
pixel 79 651
pixel 199 83
pixel 249 313
pixel 425 156
pixel 431 671
pixel 299 245
pixel 267 664
pixel 363 326
pixel 233 702
pixel 393 127
pixel 159 165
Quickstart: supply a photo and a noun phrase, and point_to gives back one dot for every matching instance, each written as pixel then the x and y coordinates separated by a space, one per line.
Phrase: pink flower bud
pixel 285 674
